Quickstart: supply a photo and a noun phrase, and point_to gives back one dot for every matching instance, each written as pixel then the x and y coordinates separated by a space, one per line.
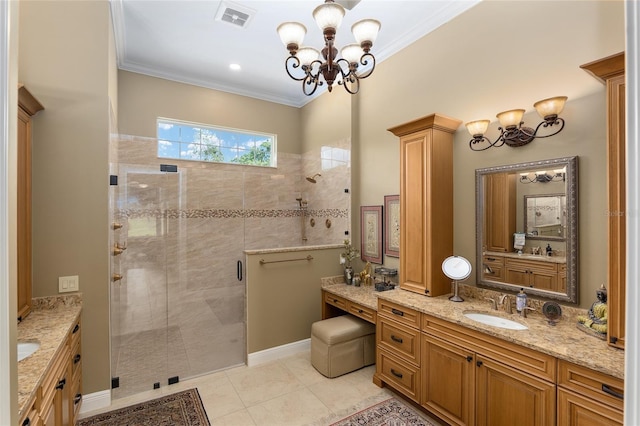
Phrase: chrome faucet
pixel 506 301
pixel 494 305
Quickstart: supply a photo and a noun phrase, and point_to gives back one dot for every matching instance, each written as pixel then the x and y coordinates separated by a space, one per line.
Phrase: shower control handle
pixel 239 270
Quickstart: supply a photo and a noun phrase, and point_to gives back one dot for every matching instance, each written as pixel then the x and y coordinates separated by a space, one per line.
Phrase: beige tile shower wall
pixel 265 197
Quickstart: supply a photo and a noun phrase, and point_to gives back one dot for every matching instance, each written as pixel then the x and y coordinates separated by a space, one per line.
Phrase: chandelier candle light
pixel 329 16
pixel 512 131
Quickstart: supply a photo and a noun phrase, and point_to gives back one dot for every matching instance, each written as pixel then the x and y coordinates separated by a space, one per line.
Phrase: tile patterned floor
pixel 288 391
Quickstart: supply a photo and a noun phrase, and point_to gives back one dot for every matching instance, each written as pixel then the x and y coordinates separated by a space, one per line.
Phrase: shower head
pixel 312 179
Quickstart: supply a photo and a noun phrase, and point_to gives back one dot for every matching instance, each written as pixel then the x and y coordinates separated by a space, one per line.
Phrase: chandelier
pixel 304 64
pixel 512 131
pixel 543 176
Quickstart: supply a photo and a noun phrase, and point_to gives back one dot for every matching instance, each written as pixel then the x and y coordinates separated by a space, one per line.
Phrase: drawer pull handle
pixel 479 363
pixel 26 422
pixel 491 259
pixel 335 300
pixel 606 389
pixel 397 312
pixel 396 339
pixel 360 311
pixel 61 384
pixel 395 373
pixel 75 329
pixel 76 359
pixel 77 398
pixel 469 358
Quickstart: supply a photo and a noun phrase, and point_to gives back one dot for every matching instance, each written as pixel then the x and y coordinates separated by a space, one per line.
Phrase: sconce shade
pixel 292 33
pixel 510 118
pixel 366 30
pixel 308 55
pixel 478 127
pixel 352 53
pixel 328 15
pixel 551 106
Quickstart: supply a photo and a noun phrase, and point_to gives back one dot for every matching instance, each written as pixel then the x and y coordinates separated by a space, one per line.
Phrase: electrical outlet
pixel 68 284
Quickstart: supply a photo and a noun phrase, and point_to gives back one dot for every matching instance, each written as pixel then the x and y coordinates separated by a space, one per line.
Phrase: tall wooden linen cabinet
pixel 28 106
pixel 426 202
pixel 610 71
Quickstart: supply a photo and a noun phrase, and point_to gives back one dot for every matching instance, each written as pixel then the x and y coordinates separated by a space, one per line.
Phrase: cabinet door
pixel 544 280
pixel 448 381
pixel 518 275
pixel 500 216
pixel 576 410
pixel 507 397
pixel 24 214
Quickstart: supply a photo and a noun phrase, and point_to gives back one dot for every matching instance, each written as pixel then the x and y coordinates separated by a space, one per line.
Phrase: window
pixel 191 141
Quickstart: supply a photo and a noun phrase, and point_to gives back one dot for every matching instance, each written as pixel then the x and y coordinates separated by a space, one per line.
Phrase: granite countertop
pixel 563 341
pixel 525 256
pixel 49 323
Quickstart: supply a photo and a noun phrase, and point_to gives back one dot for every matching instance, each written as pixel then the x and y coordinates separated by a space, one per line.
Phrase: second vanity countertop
pixel 563 341
pixel 49 323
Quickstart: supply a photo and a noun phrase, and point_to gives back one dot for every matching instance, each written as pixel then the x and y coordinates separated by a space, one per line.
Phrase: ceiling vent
pixel 234 14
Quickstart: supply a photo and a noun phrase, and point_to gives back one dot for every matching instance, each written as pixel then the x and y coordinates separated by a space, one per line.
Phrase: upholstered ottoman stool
pixel 342 344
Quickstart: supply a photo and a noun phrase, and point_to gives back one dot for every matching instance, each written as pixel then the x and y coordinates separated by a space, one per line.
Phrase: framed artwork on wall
pixel 392 225
pixel 371 234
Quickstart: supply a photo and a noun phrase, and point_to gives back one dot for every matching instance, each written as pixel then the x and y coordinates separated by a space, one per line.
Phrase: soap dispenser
pixel 521 300
pixel 549 250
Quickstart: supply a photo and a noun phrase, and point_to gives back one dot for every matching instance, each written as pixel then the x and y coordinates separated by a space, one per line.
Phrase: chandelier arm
pixel 293 62
pixel 352 85
pixel 364 61
pixel 495 143
pixel 311 82
pixel 547 123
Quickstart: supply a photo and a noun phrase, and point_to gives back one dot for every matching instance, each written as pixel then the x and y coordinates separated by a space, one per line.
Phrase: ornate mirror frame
pixel 571 247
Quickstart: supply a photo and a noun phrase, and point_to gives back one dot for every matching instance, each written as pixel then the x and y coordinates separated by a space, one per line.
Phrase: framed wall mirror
pixel 537 201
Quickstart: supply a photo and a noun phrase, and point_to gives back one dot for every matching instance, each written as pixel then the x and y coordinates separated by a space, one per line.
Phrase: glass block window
pixel 199 142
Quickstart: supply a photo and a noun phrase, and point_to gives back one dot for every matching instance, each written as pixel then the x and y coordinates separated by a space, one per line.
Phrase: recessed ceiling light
pixel 235 67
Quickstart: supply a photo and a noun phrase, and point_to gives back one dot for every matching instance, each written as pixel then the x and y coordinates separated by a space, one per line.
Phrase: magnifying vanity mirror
pixel 527 228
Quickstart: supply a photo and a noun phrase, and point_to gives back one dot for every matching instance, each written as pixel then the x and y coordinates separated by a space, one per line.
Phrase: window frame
pixel 214 128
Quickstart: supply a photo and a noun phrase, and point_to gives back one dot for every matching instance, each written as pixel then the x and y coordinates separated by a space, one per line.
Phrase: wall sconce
pixel 512 131
pixel 543 176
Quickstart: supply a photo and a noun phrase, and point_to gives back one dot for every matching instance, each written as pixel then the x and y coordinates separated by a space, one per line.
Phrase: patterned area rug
pixel 391 412
pixel 179 409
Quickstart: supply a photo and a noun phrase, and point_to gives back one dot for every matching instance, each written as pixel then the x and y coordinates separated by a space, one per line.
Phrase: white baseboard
pixel 278 352
pixel 95 401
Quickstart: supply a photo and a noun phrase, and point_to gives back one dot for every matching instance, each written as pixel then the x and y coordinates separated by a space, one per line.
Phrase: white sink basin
pixel 27 348
pixel 495 321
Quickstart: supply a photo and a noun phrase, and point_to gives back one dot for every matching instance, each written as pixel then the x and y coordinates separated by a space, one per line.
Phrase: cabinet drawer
pixel 75 334
pixel 76 358
pixel 363 312
pixel 76 393
pixel 402 314
pixel 401 375
pixel 336 301
pixel 515 356
pixel 592 384
pixel 577 410
pixel 534 265
pixel 398 339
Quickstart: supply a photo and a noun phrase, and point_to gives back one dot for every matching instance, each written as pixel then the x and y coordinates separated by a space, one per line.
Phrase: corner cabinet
pixel 426 202
pixel 28 106
pixel 610 71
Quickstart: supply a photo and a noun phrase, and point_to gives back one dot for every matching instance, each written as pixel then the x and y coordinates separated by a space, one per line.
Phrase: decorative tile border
pixel 228 213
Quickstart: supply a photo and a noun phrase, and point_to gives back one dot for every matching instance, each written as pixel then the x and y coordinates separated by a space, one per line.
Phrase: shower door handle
pixel 239 270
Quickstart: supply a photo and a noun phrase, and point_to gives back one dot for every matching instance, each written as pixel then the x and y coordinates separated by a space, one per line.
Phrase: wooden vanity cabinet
pixel 610 71
pixel 28 106
pixel 532 273
pixel 587 397
pixel 493 268
pixel 470 378
pixel 500 212
pixel 426 202
pixel 398 349
pixel 334 305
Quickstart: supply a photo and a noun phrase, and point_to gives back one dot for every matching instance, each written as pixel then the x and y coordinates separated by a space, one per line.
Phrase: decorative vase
pixel 348 275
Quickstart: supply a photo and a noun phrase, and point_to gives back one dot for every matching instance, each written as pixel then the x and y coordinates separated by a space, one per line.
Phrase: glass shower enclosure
pixel 177 290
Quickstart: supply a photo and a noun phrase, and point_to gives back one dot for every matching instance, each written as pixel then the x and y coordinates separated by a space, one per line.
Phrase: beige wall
pixel 64 61
pixel 142 99
pixel 464 70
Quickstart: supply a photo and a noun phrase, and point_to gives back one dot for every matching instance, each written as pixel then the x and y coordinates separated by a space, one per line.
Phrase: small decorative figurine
pixel 595 322
pixel 365 275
